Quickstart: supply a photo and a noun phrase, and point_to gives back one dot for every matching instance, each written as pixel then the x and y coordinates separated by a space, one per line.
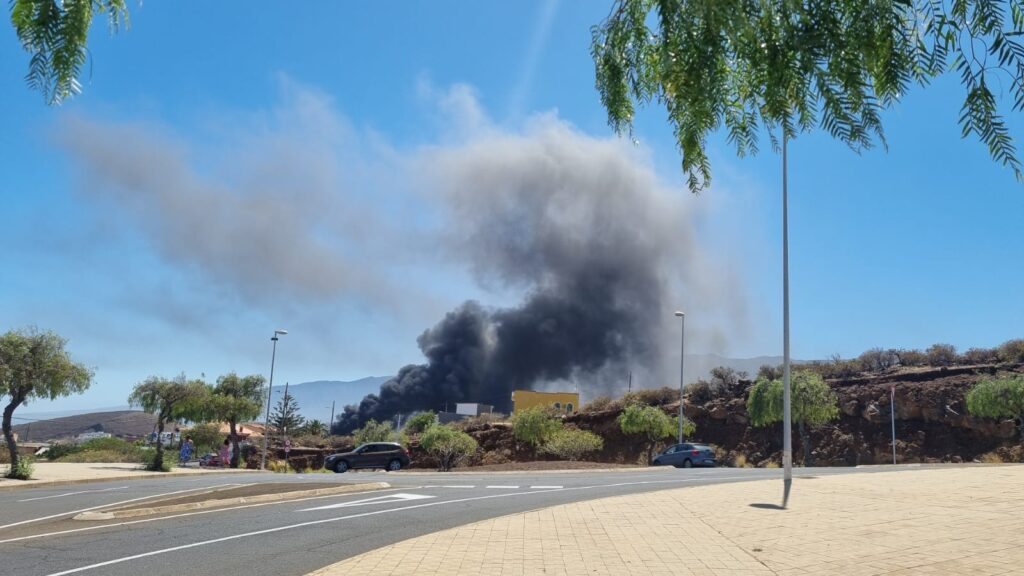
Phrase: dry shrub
pixel 740 461
pixel 702 391
pixel 980 356
pixel 941 354
pixel 479 420
pixel 657 396
pixel 771 464
pixel 1012 351
pixel 990 458
pixel 599 404
pixel 912 358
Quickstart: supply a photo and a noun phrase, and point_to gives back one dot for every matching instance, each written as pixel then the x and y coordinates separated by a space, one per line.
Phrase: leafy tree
pixel 34 364
pixel 236 399
pixel 420 422
pixel 315 428
pixel 206 437
pixel 373 431
pixel 170 399
pixel 571 444
pixel 999 398
pixel 534 426
pixel 792 65
pixel 55 32
pixel 652 424
pixel 812 402
pixel 286 415
pixel 448 445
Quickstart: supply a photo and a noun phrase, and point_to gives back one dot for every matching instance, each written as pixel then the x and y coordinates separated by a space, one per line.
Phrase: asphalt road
pixel 38 536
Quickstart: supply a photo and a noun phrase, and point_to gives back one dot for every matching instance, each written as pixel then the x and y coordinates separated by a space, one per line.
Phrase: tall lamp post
pixel 266 422
pixel 330 423
pixel 682 361
pixel 787 424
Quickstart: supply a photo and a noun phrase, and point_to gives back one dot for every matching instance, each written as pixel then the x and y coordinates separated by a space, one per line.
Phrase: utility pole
pixel 892 409
pixel 270 388
pixel 682 360
pixel 330 424
pixel 629 384
pixel 787 419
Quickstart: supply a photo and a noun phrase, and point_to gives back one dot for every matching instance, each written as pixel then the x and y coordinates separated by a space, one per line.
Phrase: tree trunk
pixel 1021 418
pixel 12 446
pixel 158 461
pixel 805 442
pixel 235 452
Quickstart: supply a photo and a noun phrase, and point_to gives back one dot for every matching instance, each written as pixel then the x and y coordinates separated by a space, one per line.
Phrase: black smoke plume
pixel 589 236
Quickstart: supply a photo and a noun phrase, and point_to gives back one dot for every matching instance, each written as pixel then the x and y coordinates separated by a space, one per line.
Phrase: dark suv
pixel 686 456
pixel 386 455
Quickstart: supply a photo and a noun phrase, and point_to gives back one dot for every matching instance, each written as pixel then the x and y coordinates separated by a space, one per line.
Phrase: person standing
pixel 225 453
pixel 186 451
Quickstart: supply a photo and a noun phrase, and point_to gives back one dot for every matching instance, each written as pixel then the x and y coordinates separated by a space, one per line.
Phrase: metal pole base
pixel 787 484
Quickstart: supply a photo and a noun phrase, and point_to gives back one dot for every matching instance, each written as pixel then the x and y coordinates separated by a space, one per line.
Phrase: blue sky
pixel 904 248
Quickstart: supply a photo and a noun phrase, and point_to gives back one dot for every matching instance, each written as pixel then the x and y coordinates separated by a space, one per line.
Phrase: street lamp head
pixel 280 332
pixel 680 314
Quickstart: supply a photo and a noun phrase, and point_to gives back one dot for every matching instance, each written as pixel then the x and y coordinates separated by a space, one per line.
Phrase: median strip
pixel 179 506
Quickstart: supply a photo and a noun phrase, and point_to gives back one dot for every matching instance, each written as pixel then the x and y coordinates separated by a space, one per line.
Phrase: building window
pixel 558 405
pixel 568 407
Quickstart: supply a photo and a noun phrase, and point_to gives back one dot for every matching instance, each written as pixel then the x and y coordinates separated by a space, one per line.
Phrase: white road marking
pixel 71 494
pixel 378 500
pixel 544 487
pixel 453 486
pixel 211 511
pixel 352 516
pixel 504 487
pixel 71 512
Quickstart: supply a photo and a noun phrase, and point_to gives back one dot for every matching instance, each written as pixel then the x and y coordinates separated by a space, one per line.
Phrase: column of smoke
pixel 590 238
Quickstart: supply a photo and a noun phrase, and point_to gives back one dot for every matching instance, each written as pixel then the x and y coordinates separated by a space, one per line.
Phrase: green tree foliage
pixel 448 445
pixel 999 398
pixel 651 424
pixel 535 426
pixel 571 444
pixel 374 431
pixel 236 399
pixel 420 422
pixel 752 66
pixel 55 33
pixel 207 437
pixel 170 399
pixel 813 402
pixel 35 365
pixel 285 416
pixel 315 428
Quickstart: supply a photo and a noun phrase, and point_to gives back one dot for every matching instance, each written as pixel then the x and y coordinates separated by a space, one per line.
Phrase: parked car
pixel 386 455
pixel 686 456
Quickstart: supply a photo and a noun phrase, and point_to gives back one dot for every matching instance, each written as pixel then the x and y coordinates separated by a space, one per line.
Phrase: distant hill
pixel 314 398
pixel 119 423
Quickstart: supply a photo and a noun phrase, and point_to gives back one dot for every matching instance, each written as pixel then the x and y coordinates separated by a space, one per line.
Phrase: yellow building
pixel 562 401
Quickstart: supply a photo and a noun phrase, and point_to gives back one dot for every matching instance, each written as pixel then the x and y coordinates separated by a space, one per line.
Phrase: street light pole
pixel 330 424
pixel 787 424
pixel 892 410
pixel 270 388
pixel 682 360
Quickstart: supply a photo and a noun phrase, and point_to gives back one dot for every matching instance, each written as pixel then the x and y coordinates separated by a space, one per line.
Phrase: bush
pixel 479 420
pixel 1012 351
pixel 206 437
pixel 657 396
pixel 535 426
pixel 913 358
pixel 941 354
pixel 374 431
pixel 702 391
pixel 571 444
pixel 149 461
pixel 724 376
pixel 999 398
pixel 769 372
pixel 24 469
pixel 109 456
pixel 61 449
pixel 420 422
pixel 878 360
pixel 980 356
pixel 448 445
pixel 599 404
pixel 651 423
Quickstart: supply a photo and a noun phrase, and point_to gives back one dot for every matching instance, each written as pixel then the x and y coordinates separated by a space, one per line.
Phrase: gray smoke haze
pixel 583 251
pixel 585 231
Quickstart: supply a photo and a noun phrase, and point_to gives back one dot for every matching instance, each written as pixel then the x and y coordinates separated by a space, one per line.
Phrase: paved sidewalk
pixel 930 521
pixel 60 473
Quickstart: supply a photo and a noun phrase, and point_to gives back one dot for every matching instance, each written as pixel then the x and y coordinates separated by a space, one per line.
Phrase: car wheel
pixel 687 463
pixel 395 465
pixel 341 467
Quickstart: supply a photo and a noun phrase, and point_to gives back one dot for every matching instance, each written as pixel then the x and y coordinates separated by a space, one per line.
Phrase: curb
pixel 262 498
pixel 22 485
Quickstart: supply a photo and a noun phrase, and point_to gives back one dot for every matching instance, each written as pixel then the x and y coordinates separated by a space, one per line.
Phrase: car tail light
pixel 695 452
